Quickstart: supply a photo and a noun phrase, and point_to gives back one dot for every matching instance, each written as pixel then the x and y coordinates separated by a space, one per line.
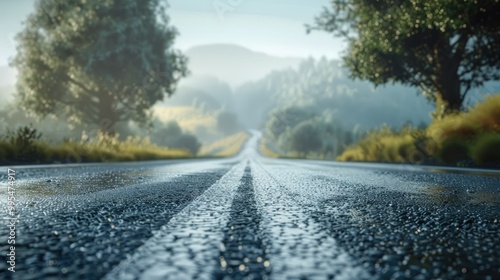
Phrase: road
pixel 250 217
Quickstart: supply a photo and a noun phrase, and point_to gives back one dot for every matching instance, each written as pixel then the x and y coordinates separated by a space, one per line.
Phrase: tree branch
pixel 80 85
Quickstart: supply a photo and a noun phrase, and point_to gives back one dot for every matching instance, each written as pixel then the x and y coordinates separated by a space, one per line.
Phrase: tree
pixel 189 142
pixel 444 47
pixel 97 62
pixel 282 119
pixel 306 138
pixel 170 134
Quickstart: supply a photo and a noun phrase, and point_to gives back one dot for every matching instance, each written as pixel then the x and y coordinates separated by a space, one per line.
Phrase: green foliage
pixel 171 135
pixel 100 148
pixel 487 148
pixel 453 150
pixel 306 138
pixel 444 47
pixel 456 138
pixel 384 145
pixel 24 137
pixel 322 87
pixel 187 141
pixel 22 143
pixel 97 62
pixel 484 117
pixel 282 119
pixel 295 132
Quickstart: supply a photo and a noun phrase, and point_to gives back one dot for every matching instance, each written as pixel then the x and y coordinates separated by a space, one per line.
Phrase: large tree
pixel 444 47
pixel 97 62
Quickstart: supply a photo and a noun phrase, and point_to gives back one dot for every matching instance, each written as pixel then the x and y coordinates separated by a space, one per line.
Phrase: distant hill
pixel 210 86
pixel 234 64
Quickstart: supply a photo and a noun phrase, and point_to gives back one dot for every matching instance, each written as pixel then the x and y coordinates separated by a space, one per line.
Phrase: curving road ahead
pixel 251 217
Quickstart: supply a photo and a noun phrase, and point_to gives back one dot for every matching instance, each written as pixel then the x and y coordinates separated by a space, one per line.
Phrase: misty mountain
pixel 206 86
pixel 234 64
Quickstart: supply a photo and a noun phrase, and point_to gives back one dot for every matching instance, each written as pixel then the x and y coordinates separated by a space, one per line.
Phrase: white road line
pixel 299 246
pixel 188 246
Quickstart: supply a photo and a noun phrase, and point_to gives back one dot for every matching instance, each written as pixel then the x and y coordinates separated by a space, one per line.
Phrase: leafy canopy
pixel 97 62
pixel 445 47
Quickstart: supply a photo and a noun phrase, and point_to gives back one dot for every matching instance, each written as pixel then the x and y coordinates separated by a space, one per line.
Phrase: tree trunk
pixel 448 95
pixel 107 116
pixel 448 81
pixel 451 94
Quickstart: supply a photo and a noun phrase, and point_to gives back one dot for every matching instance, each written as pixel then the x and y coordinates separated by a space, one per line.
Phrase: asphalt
pixel 251 217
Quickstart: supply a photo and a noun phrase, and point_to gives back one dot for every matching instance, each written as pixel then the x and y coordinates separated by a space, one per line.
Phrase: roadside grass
pixel 470 137
pixel 265 147
pixel 225 147
pixel 25 146
pixel 269 148
pixel 383 144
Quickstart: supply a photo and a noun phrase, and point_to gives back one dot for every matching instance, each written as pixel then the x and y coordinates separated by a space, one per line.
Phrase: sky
pixel 275 28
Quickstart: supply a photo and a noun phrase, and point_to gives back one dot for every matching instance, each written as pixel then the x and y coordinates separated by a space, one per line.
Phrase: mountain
pixel 234 64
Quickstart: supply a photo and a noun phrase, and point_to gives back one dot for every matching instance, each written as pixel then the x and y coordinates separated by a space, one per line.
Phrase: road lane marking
pixel 300 247
pixel 243 252
pixel 188 245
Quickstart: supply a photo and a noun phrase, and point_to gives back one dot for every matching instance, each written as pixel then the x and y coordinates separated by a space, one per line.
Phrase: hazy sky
pixel 275 28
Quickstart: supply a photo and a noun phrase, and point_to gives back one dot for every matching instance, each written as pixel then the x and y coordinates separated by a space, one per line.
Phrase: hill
pixel 234 64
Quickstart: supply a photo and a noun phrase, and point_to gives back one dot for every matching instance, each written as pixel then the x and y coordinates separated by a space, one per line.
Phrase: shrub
pixel 483 117
pixel 189 142
pixel 23 144
pixel 453 126
pixel 453 150
pixel 306 138
pixel 487 114
pixel 383 144
pixel 486 149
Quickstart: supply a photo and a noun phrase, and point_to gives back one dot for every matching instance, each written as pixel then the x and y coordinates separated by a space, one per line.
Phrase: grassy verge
pixel 26 147
pixel 225 147
pixel 267 150
pixel 464 139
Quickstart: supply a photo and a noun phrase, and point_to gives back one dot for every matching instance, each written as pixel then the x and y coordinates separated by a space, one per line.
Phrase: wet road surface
pixel 251 217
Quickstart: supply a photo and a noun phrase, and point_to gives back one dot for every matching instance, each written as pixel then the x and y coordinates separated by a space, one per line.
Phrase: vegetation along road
pixel 255 218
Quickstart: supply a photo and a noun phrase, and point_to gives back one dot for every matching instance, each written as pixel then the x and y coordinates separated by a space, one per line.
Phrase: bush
pixel 23 144
pixel 384 145
pixel 456 137
pixel 453 126
pixel 486 148
pixel 487 114
pixel 171 135
pixel 189 142
pixel 453 150
pixel 484 117
pixel 305 138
